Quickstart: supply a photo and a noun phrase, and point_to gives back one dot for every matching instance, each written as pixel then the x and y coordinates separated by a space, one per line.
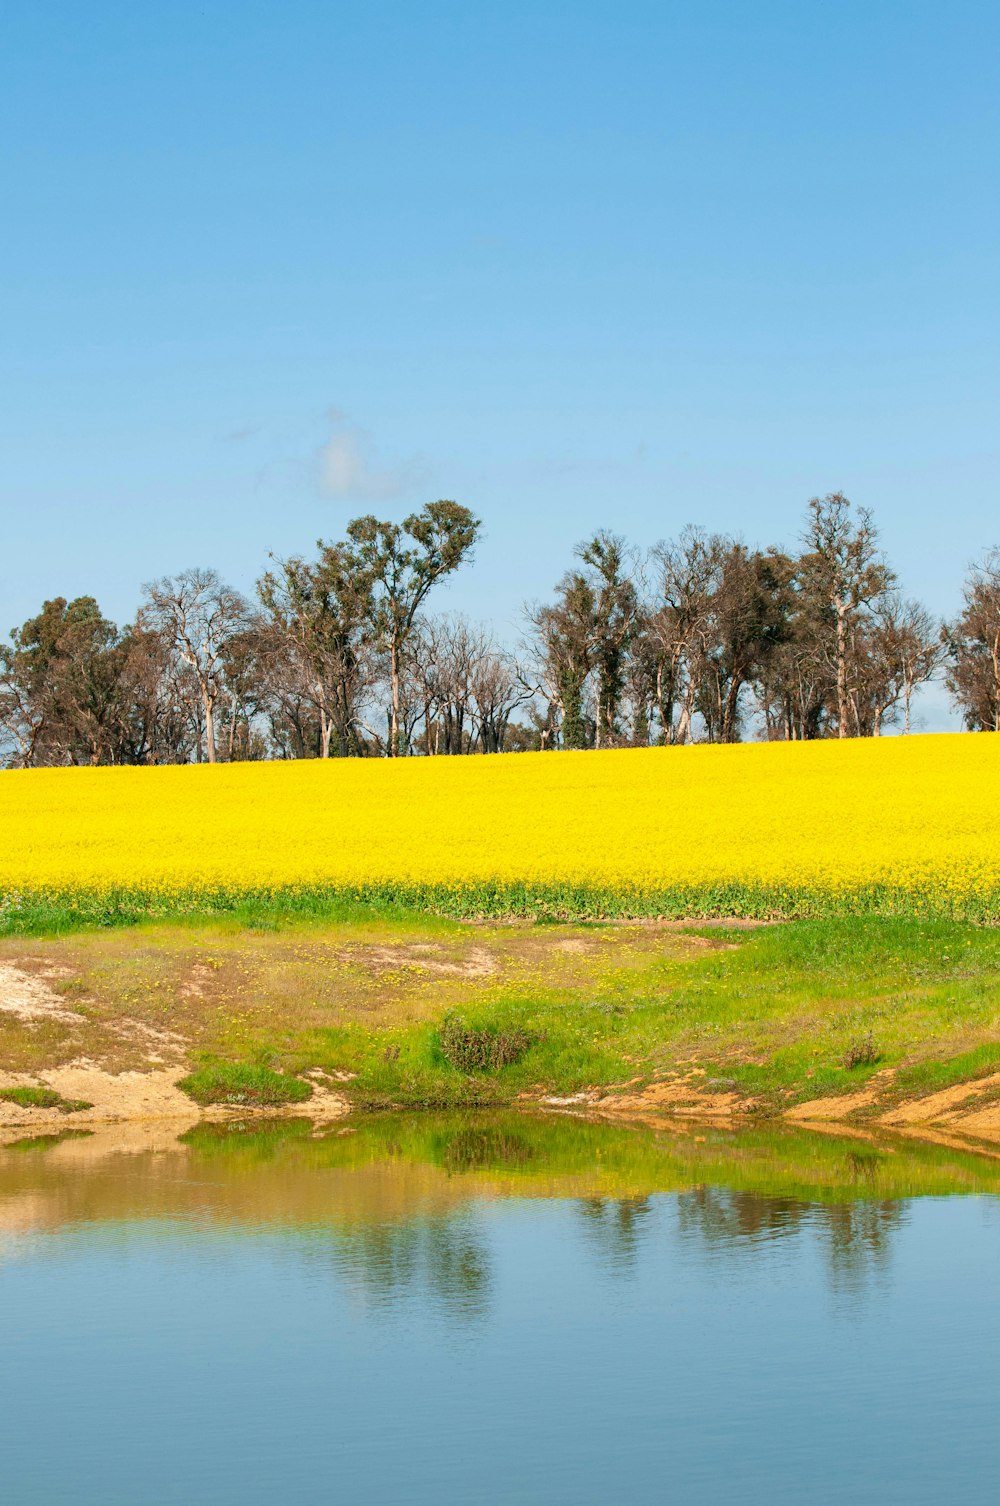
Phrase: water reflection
pixel 495 1309
pixel 440 1258
pixel 855 1237
pixel 392 1200
pixel 615 1226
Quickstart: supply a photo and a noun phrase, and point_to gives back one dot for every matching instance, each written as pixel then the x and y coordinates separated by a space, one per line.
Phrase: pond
pixel 496 1309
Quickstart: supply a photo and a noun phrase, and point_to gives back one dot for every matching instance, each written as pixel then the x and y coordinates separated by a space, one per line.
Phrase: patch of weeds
pixel 487 1048
pixel 244 1085
pixel 43 1098
pixel 862 1052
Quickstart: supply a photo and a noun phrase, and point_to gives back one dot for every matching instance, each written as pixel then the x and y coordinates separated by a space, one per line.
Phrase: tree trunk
pixel 841 668
pixel 730 709
pixel 209 729
pixel 394 711
pixel 325 724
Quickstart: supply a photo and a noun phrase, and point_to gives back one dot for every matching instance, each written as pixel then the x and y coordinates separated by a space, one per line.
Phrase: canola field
pixel 893 826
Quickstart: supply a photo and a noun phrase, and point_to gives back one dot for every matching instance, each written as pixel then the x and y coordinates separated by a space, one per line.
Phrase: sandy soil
pixel 128 1096
pixel 30 998
pixel 953 1116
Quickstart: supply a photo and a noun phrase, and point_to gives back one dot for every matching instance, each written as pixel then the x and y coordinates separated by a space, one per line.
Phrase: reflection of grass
pixel 47 1142
pixel 43 1098
pixel 523 1154
pixel 252 1141
pixel 244 1084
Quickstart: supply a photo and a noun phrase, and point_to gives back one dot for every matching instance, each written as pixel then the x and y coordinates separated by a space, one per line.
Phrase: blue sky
pixel 265 266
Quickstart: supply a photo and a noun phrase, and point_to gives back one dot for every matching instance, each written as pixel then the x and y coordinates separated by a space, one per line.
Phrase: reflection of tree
pixel 859 1241
pixel 437 1256
pixel 856 1235
pixel 616 1225
pixel 722 1215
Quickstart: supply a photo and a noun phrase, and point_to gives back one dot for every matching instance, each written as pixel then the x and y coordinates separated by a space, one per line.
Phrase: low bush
pixel 470 1049
pixel 861 1053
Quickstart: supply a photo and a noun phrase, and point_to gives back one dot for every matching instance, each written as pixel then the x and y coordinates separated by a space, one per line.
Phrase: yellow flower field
pixel 893 823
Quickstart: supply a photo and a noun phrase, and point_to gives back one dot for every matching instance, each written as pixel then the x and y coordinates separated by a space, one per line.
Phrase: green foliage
pixel 244 1084
pixel 29 1097
pixel 469 1048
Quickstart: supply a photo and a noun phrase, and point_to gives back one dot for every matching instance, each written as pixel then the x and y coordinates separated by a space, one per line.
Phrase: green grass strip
pixel 37 913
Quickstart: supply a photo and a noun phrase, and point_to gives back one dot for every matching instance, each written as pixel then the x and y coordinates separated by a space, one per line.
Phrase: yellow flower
pixel 917 815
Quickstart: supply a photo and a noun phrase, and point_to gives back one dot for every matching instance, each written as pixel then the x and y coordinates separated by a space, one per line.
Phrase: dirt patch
pixel 685 1096
pixel 819 1109
pixel 140 1096
pixel 30 997
pixel 951 1105
pixel 144 1092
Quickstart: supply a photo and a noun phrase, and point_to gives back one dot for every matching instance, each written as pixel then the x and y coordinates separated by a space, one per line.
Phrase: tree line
pixel 337 655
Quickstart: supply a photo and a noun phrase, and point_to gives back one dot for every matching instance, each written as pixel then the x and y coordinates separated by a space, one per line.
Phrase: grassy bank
pixel 395 1008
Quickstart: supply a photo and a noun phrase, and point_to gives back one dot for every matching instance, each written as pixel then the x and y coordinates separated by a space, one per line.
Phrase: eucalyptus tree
pixel 317 614
pixel 747 622
pixel 679 624
pixel 562 647
pixel 614 613
pixel 63 690
pixel 400 563
pixel 973 675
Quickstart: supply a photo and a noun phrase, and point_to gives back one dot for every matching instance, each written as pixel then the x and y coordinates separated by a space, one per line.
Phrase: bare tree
pixel 899 649
pixel 499 688
pixel 844 568
pixel 679 624
pixel 447 650
pixel 197 614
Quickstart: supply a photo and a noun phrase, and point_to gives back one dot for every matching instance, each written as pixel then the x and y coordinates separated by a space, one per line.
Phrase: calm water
pixel 496 1311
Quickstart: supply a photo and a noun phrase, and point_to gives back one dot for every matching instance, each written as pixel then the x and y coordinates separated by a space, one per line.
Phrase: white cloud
pixel 350 469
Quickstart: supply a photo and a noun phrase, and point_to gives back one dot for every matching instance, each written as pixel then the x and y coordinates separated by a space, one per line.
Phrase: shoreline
pixel 871 1026
pixel 147 1104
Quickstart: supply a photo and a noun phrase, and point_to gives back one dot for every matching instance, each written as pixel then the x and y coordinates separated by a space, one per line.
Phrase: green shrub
pixel 481 1049
pixel 244 1085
